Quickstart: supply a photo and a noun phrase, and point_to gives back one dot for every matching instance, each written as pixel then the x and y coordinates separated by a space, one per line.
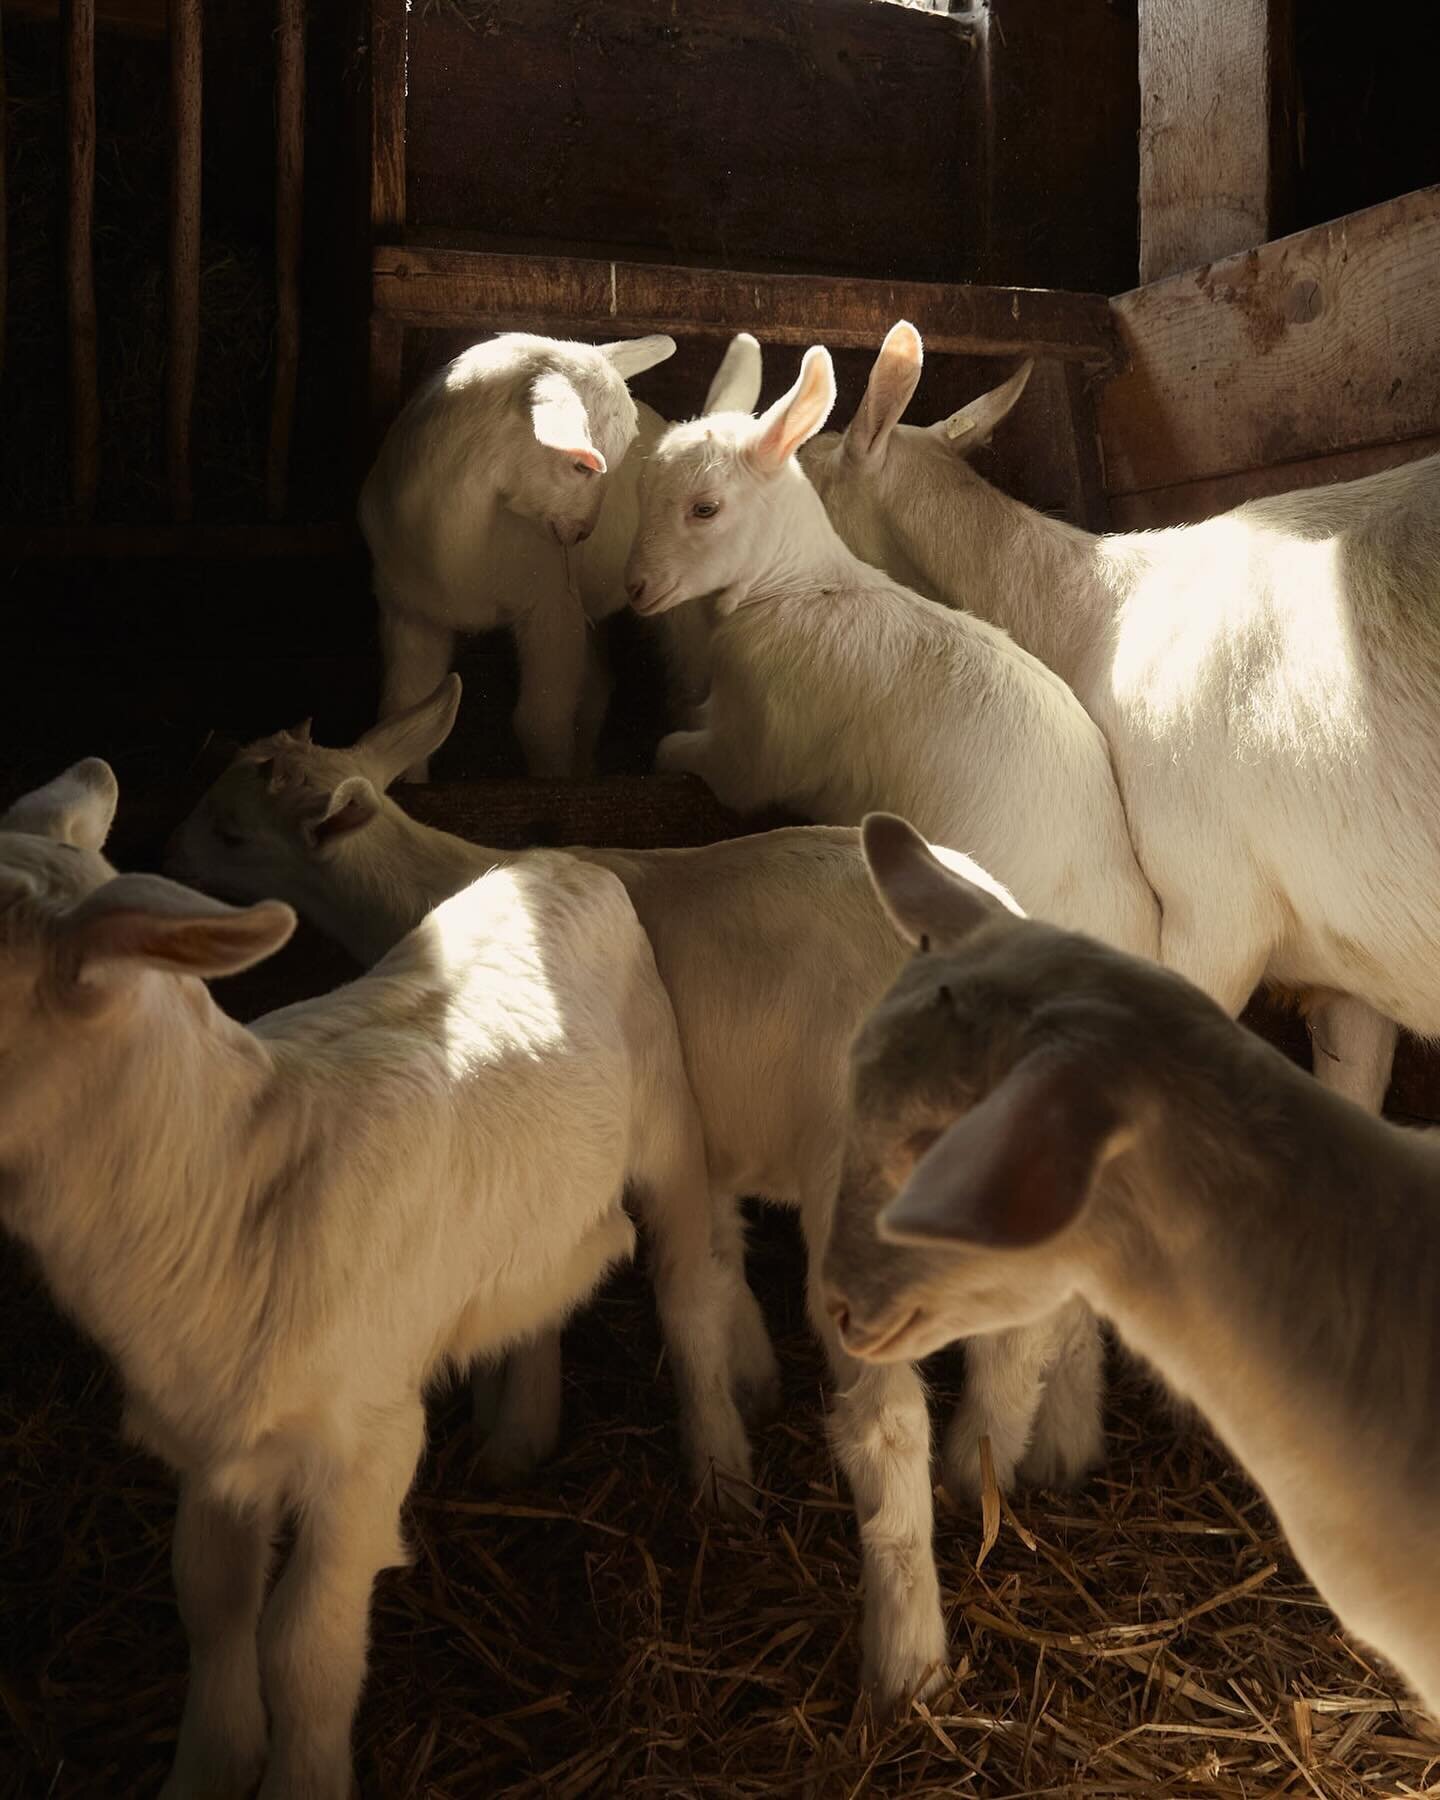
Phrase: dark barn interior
pixel 235 236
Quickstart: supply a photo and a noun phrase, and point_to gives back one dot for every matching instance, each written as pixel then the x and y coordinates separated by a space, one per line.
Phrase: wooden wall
pixel 1312 359
pixel 839 136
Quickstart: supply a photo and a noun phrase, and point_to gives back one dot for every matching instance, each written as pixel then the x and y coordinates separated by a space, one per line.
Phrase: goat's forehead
pixel 57 873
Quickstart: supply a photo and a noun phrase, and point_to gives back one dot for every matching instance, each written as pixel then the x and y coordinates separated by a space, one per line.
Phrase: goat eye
pixel 704 509
pixel 581 468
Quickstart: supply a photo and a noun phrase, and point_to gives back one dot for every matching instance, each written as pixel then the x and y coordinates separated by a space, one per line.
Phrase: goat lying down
pixel 1036 1115
pixel 772 949
pixel 281 1233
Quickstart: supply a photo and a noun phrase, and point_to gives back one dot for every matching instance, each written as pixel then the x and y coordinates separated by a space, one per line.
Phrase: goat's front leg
pixel 552 641
pixel 729 777
pixel 526 1425
pixel 220 1557
pixel 880 1428
pixel 1034 1391
pixel 314 1630
pixel 1352 1049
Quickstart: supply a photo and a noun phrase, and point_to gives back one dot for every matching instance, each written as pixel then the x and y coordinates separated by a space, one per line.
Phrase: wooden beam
pixel 289 214
pixel 1196 500
pixel 453 289
pixel 79 30
pixel 1216 128
pixel 388 52
pixel 186 76
pixel 1325 341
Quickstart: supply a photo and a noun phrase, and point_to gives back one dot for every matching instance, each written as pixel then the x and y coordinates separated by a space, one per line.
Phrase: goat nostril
pixel 635 589
pixel 840 1313
pixel 582 532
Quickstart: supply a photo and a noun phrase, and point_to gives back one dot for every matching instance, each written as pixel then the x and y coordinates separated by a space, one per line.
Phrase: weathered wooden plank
pixel 289 213
pixel 79 31
pixel 186 77
pixel 732 130
pixel 1216 113
pixel 454 288
pixel 1325 341
pixel 1197 500
pixel 389 42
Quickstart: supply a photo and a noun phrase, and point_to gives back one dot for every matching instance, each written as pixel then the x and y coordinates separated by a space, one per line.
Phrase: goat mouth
pixel 878 1343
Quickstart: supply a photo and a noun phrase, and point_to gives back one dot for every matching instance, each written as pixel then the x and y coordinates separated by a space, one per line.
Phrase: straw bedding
pixel 589 1633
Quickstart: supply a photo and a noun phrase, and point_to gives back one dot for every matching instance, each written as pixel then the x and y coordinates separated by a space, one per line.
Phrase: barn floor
pixel 590 1634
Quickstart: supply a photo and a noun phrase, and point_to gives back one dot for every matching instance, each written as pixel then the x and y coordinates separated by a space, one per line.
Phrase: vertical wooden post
pixel 388 52
pixel 1216 129
pixel 78 18
pixel 289 214
pixel 186 53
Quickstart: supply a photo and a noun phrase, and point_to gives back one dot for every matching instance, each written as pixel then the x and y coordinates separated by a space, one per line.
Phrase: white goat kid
pixel 504 494
pixel 1062 1119
pixel 280 1234
pixel 772 948
pixel 834 690
pixel 1268 681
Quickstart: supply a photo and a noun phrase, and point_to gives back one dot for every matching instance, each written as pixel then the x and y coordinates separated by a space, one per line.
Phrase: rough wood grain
pixel 389 34
pixel 78 17
pixel 1216 111
pixel 733 128
pixel 289 213
pixel 1325 341
pixel 1197 500
pixel 457 288
pixel 186 79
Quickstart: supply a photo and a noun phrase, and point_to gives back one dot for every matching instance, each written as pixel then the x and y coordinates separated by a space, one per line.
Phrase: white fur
pixel 1268 682
pixel 280 1234
pixel 1091 1124
pixel 771 948
pixel 504 495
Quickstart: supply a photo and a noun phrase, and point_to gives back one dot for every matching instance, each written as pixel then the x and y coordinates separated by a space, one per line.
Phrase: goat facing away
pixel 1036 1115
pixel 1267 683
pixel 281 1233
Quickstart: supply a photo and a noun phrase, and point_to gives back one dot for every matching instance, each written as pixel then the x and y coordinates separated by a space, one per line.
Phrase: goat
pixel 1268 683
pixel 772 948
pixel 834 691
pixel 280 1234
pixel 1036 1115
pixel 504 494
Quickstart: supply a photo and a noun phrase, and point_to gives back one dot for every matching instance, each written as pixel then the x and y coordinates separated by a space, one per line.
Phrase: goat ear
pixel 410 736
pixel 155 923
pixel 633 356
pixel 301 732
pixel 795 417
pixel 736 383
pixel 971 427
pixel 1015 1170
pixel 350 804
pixel 560 421
pixel 923 898
pixel 77 807
pixel 893 381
